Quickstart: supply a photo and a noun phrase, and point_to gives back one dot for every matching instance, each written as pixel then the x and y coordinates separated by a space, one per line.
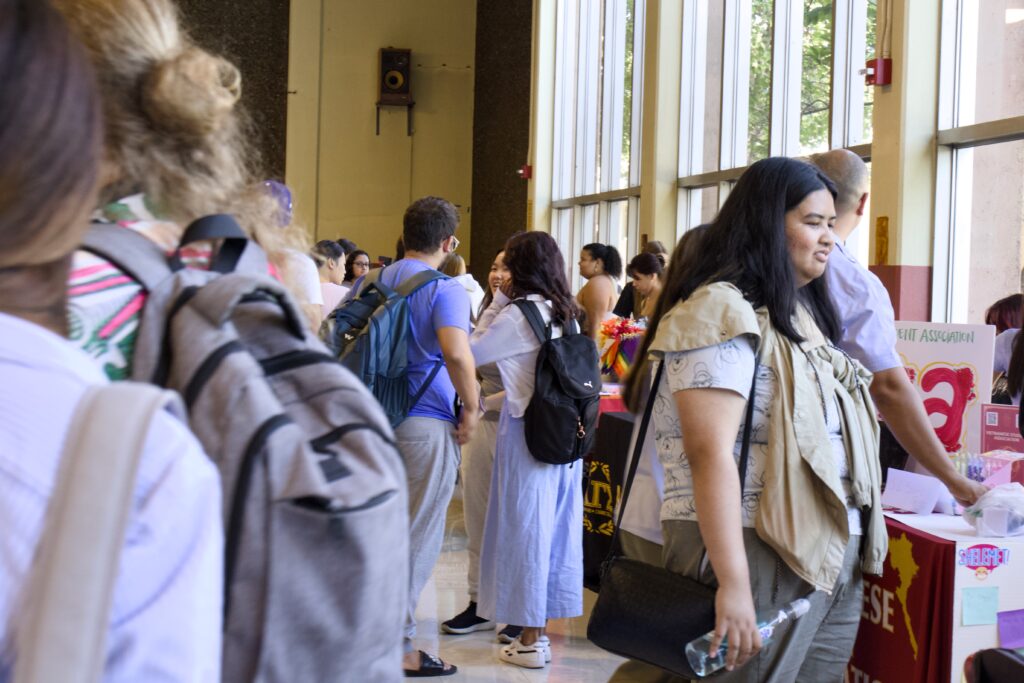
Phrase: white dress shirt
pixel 165 623
pixel 865 312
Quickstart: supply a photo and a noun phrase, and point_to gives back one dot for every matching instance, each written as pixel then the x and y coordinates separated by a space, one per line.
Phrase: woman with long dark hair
pixel 601 266
pixel 805 520
pixel 531 563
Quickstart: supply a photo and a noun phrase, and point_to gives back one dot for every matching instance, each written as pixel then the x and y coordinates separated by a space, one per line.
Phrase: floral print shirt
pixel 104 303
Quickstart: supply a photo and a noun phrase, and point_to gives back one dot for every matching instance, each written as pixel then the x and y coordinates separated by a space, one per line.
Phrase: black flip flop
pixel 430 666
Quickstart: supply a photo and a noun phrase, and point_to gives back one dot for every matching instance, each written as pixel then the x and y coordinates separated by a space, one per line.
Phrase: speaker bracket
pixel 408 115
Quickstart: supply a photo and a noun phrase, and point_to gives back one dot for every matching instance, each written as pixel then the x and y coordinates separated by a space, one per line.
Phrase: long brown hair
pixel 50 139
pixel 689 245
pixel 49 135
pixel 537 267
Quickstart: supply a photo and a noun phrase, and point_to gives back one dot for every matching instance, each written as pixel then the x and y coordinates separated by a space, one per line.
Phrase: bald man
pixel 869 332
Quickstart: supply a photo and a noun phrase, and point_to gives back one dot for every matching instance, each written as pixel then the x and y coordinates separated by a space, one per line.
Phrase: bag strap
pixel 405 290
pixel 533 316
pixel 62 636
pixel 645 422
pixel 220 226
pixel 426 384
pixel 130 251
pixel 417 281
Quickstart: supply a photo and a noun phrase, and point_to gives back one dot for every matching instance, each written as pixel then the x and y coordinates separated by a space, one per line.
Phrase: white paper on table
pixel 916 493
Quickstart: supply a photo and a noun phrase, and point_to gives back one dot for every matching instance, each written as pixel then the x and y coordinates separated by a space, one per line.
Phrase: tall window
pixel 979 237
pixel 763 78
pixel 598 91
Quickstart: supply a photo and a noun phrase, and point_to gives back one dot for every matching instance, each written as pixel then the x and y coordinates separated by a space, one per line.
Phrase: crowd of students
pixel 110 114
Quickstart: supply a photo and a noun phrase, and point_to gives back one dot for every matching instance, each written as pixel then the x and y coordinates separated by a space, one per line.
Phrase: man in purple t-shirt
pixel 429 437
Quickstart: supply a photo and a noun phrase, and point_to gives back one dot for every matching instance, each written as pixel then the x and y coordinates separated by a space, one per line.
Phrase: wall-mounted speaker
pixel 394 82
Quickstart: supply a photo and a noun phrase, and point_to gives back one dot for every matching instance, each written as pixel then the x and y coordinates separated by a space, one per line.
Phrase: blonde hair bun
pixel 193 93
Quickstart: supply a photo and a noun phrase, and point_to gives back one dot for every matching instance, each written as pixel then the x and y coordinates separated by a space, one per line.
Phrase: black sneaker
pixel 467 622
pixel 509 633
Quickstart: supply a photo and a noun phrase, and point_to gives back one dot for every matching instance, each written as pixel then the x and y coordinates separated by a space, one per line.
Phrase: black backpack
pixel 369 334
pixel 562 415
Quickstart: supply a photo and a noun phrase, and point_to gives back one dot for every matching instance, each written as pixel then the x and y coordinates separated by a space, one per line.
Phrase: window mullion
pixel 849 26
pixel 735 83
pixel 614 87
pixel 636 120
pixel 787 62
pixel 691 105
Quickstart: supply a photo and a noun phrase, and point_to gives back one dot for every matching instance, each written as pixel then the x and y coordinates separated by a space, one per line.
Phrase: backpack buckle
pixel 581 432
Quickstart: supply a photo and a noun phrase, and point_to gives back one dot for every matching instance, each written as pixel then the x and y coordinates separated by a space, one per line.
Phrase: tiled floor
pixel 574 658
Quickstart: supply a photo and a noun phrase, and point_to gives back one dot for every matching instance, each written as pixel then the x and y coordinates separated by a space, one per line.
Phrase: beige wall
pixel 348 181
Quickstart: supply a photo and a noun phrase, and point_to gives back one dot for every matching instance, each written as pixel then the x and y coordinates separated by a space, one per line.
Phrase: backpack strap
pixel 62 636
pixel 533 316
pixel 130 251
pixel 417 281
pixel 407 289
pixel 426 383
pixel 237 252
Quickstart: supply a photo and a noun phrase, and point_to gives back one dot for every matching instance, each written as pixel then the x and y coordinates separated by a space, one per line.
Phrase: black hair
pixel 427 223
pixel 328 249
pixel 399 249
pixel 488 294
pixel 348 245
pixel 609 256
pixel 746 246
pixel 1015 373
pixel 349 260
pixel 537 267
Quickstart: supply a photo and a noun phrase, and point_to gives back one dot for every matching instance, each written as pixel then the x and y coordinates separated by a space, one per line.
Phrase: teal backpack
pixel 369 334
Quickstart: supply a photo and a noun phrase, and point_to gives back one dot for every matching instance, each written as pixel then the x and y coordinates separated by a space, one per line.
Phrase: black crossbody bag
pixel 646 612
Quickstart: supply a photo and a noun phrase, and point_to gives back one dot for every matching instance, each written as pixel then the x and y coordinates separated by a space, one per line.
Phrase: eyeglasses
pixel 455 242
pixel 361 264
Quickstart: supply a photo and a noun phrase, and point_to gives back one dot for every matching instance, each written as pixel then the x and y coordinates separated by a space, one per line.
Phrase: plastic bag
pixel 999 512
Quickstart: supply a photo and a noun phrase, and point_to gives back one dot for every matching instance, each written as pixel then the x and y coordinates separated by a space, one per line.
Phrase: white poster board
pixel 951 367
pixel 989 565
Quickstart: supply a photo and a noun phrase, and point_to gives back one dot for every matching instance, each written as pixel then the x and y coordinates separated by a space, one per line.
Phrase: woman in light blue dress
pixel 531 561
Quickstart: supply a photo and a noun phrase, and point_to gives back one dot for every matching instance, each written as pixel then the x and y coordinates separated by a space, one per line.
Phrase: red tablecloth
pixel 906 626
pixel 612 404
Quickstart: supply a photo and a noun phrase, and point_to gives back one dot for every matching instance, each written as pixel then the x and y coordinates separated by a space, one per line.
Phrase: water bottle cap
pixel 800 607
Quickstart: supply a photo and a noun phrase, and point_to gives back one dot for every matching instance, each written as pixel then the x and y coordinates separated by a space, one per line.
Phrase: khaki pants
pixel 818 646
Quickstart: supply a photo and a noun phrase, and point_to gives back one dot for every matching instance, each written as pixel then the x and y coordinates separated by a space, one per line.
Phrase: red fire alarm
pixel 525 172
pixel 878 71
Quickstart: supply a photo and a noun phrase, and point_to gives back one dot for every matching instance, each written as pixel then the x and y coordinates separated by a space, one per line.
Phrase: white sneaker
pixel 527 656
pixel 544 643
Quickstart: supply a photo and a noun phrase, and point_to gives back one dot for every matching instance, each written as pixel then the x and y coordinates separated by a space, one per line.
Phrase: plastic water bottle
pixel 704 662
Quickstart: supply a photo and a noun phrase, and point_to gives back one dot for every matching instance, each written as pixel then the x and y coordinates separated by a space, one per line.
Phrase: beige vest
pixel 802 513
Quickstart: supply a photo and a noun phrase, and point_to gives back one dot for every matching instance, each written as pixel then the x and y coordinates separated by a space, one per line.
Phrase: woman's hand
pixel 735 620
pixel 506 287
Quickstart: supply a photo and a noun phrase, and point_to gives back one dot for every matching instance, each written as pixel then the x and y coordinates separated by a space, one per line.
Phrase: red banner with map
pixel 906 621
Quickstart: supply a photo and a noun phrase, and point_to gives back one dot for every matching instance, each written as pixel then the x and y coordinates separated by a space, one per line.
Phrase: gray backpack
pixel 315 500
